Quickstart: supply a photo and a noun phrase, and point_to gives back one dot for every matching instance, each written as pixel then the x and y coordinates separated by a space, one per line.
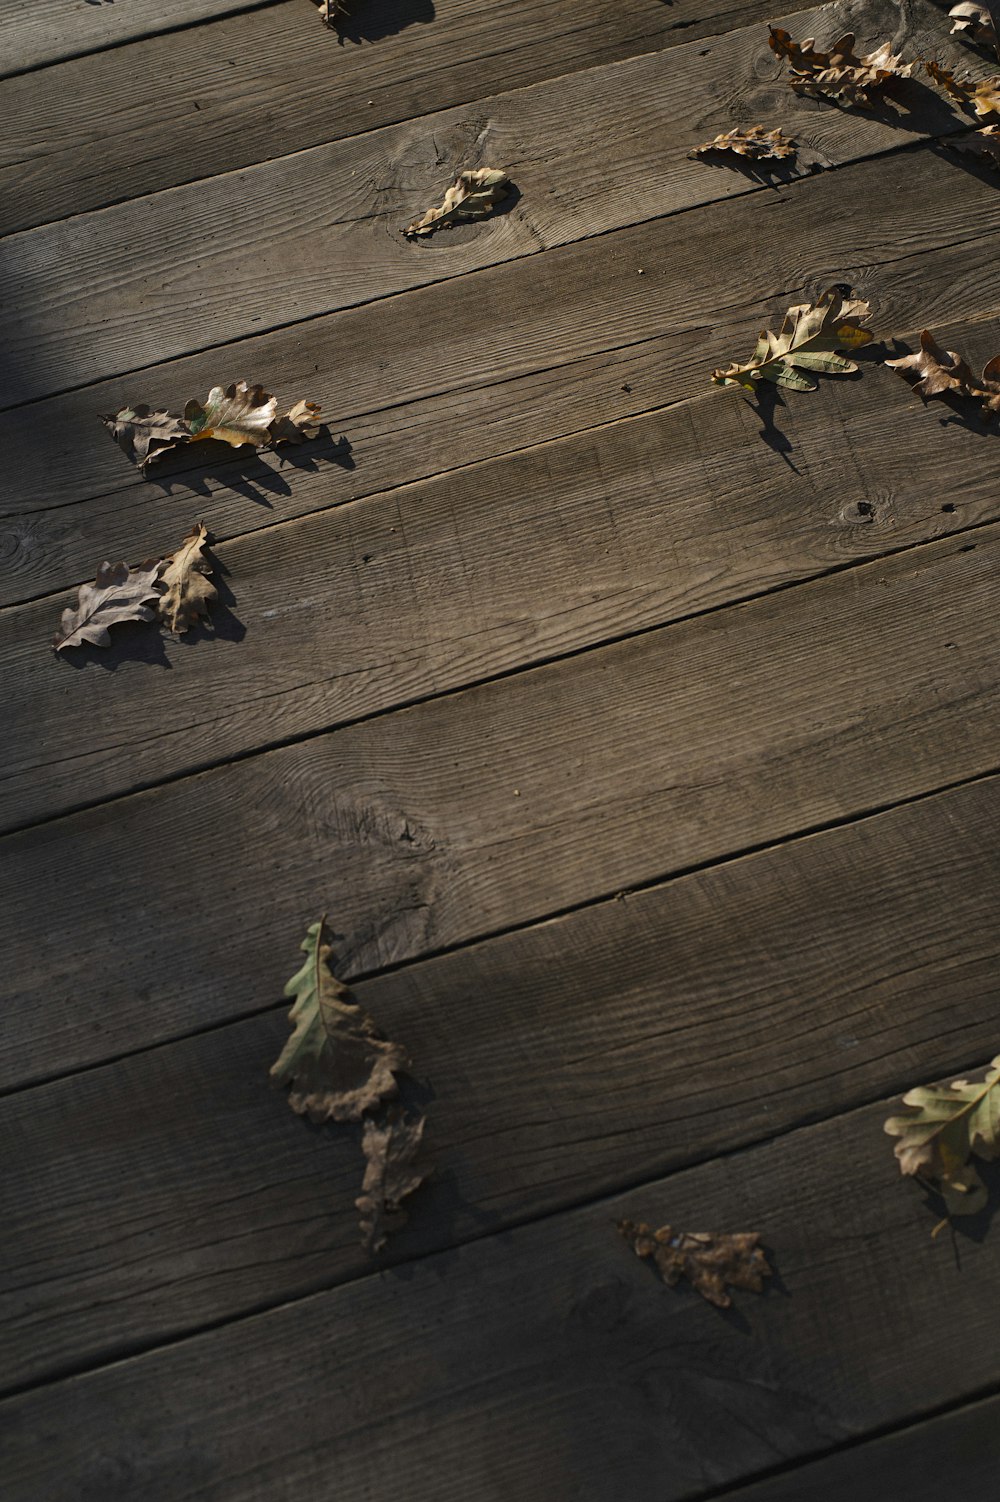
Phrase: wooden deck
pixel 640 744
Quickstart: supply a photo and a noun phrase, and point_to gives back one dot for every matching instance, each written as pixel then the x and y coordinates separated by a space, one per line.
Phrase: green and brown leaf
pixel 810 340
pixel 239 414
pixel 948 1125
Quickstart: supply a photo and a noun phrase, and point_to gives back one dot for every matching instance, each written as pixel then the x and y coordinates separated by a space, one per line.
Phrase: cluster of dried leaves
pixel 339 1067
pixel 841 74
pixel 239 414
pixel 175 591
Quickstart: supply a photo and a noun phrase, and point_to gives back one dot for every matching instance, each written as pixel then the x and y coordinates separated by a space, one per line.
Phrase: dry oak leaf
pixel 189 592
pixel 390 1149
pixel 935 371
pixel 756 143
pixel 708 1261
pixel 841 73
pixel 472 196
pixel 143 435
pixel 809 340
pixel 984 143
pixel 297 424
pixel 947 1125
pixel 118 594
pixel 975 24
pixel 982 98
pixel 239 414
pixel 336 1061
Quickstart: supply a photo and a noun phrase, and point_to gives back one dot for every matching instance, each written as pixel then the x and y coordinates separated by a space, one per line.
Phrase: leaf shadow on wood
pixel 974 1228
pixel 372 20
pixel 252 473
pixel 968 161
pixel 915 107
pixel 766 173
pixel 765 402
pixel 953 410
pixel 222 623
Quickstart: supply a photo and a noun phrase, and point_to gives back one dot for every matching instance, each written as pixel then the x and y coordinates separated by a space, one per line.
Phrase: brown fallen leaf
pixel 118 594
pixel 390 1148
pixel 472 196
pixel 980 98
pixel 974 23
pixel 946 1126
pixel 331 11
pixel 756 143
pixel 984 143
pixel 239 414
pixel 143 435
pixel 297 424
pixel 336 1061
pixel 935 371
pixel 840 73
pixel 709 1261
pixel 189 591
pixel 810 337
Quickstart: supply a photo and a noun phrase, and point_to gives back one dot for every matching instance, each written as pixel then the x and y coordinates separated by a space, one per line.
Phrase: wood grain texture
pixel 284 241
pixel 585 340
pixel 956 1454
pixel 496 806
pixel 266 83
pixel 49 31
pixel 494 567
pixel 621 1042
pixel 551 1362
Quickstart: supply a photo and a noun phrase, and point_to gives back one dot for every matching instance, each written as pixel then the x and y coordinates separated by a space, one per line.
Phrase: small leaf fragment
pixel 946 1126
pixel 810 338
pixel 143 435
pixel 980 98
pixel 756 143
pixel 189 592
pixel 935 371
pixel 708 1260
pixel 297 424
pixel 336 1061
pixel 331 11
pixel 841 74
pixel 974 23
pixel 119 594
pixel 983 143
pixel 239 414
pixel 391 1174
pixel 472 196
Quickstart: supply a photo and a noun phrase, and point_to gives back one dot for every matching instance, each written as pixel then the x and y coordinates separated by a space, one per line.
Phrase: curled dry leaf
pixel 984 144
pixel 840 73
pixel 297 424
pixel 391 1148
pixel 756 143
pixel 472 196
pixel 981 99
pixel 143 435
pixel 708 1261
pixel 336 1061
pixel 810 337
pixel 935 371
pixel 974 24
pixel 119 594
pixel 947 1125
pixel 239 414
pixel 189 591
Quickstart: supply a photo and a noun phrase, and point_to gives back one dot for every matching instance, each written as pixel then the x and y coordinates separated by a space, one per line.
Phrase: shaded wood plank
pixel 585 340
pixel 48 30
pixel 549 1361
pixel 160 276
pixel 268 82
pixel 498 805
pixel 952 1454
pixel 621 1042
pixel 369 606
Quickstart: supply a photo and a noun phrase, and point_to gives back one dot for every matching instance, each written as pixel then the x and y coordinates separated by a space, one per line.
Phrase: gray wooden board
pixel 286 240
pixel 549 1361
pixel 368 606
pixel 500 804
pixel 269 82
pixel 954 1454
pixel 173 1188
pixel 404 385
pixel 49 30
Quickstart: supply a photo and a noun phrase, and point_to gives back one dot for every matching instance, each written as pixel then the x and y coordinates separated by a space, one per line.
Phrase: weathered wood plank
pixel 550 1362
pixel 269 82
pixel 954 1454
pixel 496 806
pixel 621 1042
pixel 48 30
pixel 585 341
pixel 368 606
pixel 157 277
